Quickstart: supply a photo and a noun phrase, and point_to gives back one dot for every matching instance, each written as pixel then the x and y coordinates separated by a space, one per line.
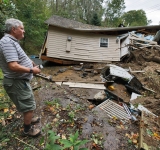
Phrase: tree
pixel 79 10
pixel 113 13
pixel 88 8
pixel 7 10
pixel 95 20
pixel 33 13
pixel 135 18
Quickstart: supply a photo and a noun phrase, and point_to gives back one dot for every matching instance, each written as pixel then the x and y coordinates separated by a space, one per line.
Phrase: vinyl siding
pixel 84 46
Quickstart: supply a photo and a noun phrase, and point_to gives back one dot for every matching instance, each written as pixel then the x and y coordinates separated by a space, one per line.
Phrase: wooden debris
pixel 85 85
pixel 148 89
pixel 135 71
pixel 45 77
pixel 143 40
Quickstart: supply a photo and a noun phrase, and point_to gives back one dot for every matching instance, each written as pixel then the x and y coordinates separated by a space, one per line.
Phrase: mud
pixel 92 121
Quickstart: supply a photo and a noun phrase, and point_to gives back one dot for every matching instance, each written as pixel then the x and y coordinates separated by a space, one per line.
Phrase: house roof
pixel 75 25
pixel 68 23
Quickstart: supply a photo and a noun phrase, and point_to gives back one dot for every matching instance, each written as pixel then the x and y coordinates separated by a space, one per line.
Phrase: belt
pixel 17 79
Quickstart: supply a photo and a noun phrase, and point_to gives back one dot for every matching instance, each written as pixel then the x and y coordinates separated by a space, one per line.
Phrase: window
pixel 104 42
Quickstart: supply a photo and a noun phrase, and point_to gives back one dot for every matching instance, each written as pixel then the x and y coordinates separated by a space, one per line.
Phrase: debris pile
pixel 122 89
pixel 142 50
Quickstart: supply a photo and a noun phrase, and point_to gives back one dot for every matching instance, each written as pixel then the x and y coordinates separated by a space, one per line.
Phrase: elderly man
pixel 18 70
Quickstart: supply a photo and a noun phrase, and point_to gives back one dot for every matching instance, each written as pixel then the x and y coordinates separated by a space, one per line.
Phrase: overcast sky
pixel 151 7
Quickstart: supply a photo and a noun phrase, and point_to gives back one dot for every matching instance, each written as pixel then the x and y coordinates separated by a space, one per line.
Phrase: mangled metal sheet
pixel 120 72
pixel 113 109
pixel 112 73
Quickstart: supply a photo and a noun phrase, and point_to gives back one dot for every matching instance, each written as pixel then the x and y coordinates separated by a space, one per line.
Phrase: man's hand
pixel 36 70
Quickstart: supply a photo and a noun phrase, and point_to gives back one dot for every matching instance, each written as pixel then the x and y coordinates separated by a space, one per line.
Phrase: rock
pixel 100 96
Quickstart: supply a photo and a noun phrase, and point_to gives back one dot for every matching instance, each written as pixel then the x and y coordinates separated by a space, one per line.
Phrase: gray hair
pixel 12 23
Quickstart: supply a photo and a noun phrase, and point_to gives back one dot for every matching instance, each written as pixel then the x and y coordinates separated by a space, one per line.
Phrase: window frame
pixel 104 43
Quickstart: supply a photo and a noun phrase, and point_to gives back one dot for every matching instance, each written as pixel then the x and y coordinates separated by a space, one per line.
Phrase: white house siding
pixel 84 46
pixel 124 48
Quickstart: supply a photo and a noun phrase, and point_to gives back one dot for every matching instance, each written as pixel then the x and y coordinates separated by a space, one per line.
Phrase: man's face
pixel 18 32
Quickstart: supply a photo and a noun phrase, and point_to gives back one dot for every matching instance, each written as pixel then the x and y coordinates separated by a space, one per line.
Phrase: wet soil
pixel 91 121
pixel 67 110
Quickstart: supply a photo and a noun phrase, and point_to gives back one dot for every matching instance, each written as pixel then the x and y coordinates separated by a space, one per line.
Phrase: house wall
pixel 124 48
pixel 83 47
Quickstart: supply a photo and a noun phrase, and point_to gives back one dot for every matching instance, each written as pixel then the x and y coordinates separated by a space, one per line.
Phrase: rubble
pixel 120 86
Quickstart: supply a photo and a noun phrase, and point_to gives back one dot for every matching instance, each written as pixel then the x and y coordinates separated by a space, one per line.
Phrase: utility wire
pixel 154 11
pixel 146 4
pixel 153 7
pixel 138 3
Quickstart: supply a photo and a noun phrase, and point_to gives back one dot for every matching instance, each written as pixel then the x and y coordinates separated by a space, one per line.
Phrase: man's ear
pixel 13 29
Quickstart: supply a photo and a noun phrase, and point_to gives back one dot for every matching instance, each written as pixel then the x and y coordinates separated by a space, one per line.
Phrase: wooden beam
pixel 143 40
pixel 60 61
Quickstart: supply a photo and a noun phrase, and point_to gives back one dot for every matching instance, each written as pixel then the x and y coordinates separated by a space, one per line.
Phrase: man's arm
pixel 33 63
pixel 14 66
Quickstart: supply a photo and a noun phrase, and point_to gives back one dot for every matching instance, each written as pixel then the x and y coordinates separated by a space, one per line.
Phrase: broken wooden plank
pixel 59 83
pixel 135 71
pixel 85 85
pixel 60 61
pixel 45 77
pixel 147 44
pixel 148 89
pixel 143 40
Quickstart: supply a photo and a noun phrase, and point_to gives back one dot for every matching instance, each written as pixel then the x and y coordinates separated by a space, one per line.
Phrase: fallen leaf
pixel 156 135
pixel 5 110
pixel 13 106
pixel 134 141
pixel 3 122
pixel 91 106
pixel 12 112
pixel 64 136
pixel 9 117
pixel 51 109
pixel 55 120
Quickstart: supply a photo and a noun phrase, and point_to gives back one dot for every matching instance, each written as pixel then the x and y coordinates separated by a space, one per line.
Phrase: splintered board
pixel 149 132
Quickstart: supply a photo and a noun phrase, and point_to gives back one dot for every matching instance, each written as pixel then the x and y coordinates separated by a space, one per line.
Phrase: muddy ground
pixel 93 123
pixel 77 106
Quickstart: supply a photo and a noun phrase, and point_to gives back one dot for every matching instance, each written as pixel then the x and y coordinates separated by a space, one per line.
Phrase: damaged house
pixel 71 42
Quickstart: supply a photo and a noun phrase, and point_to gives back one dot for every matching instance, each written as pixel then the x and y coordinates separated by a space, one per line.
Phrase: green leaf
pixel 6 140
pixel 76 148
pixel 52 136
pixel 53 147
pixel 83 149
pixel 66 143
pixel 81 142
pixel 41 140
pixel 27 148
pixel 73 138
pixel 129 141
pixel 149 132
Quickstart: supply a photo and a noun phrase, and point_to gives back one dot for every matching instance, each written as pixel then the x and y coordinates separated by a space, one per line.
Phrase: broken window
pixel 104 42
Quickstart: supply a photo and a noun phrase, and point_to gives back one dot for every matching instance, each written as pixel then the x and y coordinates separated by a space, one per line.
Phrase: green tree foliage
pixel 7 10
pixel 86 9
pixel 95 20
pixel 113 13
pixel 33 13
pixel 135 18
pixel 79 10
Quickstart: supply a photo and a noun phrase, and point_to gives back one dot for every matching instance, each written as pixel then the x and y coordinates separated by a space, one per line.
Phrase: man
pixel 18 70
